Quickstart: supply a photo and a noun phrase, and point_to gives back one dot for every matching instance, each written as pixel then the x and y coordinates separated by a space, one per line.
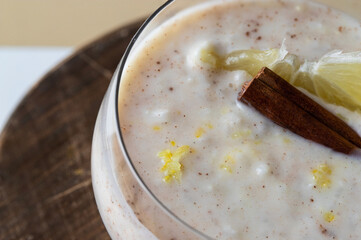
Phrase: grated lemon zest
pixel 156 128
pixel 181 152
pixel 228 163
pixel 199 132
pixel 173 143
pixel 321 175
pixel 329 217
pixel 286 140
pixel 172 168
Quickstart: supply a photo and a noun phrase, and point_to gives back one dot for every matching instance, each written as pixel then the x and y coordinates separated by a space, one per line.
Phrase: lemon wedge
pixel 250 61
pixel 286 67
pixel 336 77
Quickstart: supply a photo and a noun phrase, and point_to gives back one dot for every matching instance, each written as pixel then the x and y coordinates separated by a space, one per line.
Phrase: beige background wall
pixel 66 22
pixel 76 22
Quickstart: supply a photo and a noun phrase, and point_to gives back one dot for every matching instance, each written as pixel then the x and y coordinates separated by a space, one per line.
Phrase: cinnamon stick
pixel 288 107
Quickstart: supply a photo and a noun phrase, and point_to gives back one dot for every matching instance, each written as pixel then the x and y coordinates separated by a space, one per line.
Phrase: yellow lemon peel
pixel 329 216
pixel 156 128
pixel 321 175
pixel 229 161
pixel 286 140
pixel 199 132
pixel 172 168
pixel 202 130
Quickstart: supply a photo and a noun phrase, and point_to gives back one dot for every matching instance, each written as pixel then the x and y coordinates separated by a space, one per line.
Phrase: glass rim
pixel 127 158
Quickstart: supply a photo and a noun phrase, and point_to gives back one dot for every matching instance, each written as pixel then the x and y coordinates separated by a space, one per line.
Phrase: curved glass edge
pixel 119 131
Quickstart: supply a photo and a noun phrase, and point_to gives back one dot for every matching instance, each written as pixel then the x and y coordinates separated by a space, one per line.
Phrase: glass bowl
pixel 127 206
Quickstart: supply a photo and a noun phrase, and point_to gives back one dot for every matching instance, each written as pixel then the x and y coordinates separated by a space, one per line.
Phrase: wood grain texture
pixel 45 182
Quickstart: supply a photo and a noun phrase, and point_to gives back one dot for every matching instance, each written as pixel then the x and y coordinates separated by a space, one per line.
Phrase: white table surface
pixel 20 69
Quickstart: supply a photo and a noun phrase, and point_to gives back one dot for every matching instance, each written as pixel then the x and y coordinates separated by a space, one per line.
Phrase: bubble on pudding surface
pixel 159 115
pixel 262 169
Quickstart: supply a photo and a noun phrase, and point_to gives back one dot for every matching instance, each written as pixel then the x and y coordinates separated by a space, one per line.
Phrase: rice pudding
pixel 219 165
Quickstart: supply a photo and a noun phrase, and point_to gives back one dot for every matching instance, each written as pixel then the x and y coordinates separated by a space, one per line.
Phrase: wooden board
pixel 45 182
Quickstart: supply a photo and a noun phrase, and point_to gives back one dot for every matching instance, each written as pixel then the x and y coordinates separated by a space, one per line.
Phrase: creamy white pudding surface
pixel 242 176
